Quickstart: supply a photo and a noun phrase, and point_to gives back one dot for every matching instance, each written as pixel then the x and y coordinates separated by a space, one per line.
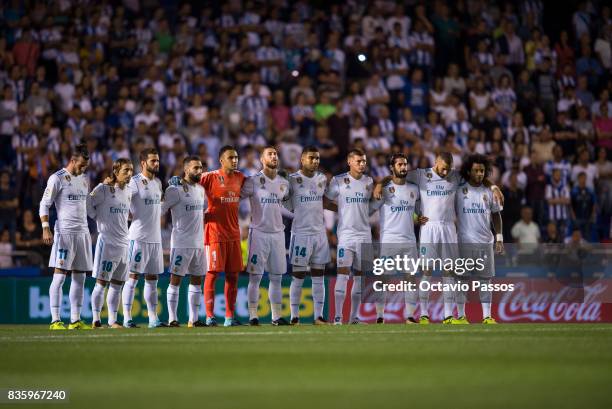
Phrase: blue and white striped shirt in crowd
pixel 557 211
pixel 269 74
pixel 421 57
pixel 254 108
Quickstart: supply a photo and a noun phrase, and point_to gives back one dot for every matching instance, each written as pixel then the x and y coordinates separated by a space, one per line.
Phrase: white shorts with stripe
pixel 267 253
pixel 110 261
pixel 187 261
pixel 145 258
pixel 71 252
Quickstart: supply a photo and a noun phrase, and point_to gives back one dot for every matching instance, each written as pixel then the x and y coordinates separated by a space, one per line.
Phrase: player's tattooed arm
pixel 329 204
pixel 497 193
pixel 377 193
pixel 499 237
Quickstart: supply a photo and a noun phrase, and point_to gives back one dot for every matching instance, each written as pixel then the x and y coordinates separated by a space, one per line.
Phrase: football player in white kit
pixel 187 203
pixel 309 248
pixel 145 255
pixel 438 238
pixel 68 189
pixel 352 192
pixel 398 208
pixel 266 191
pixel 109 205
pixel 476 209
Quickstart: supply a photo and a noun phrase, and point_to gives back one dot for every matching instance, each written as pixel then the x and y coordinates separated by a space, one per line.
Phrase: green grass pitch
pixel 366 366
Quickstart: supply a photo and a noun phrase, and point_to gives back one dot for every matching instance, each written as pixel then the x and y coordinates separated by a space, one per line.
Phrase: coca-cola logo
pixel 522 304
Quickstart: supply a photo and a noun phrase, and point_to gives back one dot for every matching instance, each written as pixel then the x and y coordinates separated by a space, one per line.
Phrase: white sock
pixel 318 295
pixel 97 301
pixel 380 310
pixel 355 298
pixel 112 302
pixel 194 297
pixel 275 294
pixel 485 298
pixel 172 296
pixel 410 298
pixel 460 299
pixel 56 295
pixel 448 296
pixel 295 296
pixel 150 296
pixel 424 297
pixel 127 298
pixel 77 282
pixel 340 293
pixel 253 294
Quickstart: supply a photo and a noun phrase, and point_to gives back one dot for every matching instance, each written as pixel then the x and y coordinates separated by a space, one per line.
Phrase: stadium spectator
pixel 525 231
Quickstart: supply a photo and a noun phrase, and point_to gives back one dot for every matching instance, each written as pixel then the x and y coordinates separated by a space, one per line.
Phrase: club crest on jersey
pixel 347 182
pixel 262 180
pixel 221 180
pixel 465 190
pixel 112 190
pixel 67 177
pixel 485 198
pixel 391 189
pixel 412 195
pixel 429 175
pixel 144 182
pixel 185 188
pixel 320 184
pixel 299 180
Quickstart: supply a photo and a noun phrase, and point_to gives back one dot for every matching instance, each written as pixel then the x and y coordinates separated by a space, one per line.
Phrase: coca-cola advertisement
pixel 537 300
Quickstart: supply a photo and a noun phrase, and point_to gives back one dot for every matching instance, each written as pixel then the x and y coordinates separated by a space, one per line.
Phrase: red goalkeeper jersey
pixel 223 194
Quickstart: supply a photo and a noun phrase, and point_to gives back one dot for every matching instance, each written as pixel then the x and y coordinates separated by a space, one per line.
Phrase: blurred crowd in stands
pixel 385 76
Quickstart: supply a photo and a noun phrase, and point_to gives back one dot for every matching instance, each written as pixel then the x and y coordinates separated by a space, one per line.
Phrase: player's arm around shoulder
pixel 248 187
pixel 94 199
pixel 377 191
pixel 171 198
pixel 497 193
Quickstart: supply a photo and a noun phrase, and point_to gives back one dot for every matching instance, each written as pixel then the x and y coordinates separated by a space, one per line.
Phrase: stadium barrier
pixel 26 301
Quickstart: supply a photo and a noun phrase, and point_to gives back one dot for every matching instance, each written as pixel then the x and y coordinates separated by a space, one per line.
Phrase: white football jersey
pixel 474 206
pixel 187 204
pixel 69 193
pixel 397 207
pixel 353 199
pixel 145 209
pixel 266 198
pixel 109 206
pixel 437 194
pixel 306 202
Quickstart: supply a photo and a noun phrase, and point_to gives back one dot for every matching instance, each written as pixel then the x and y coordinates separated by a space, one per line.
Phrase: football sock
pixel 77 282
pixel 150 296
pixel 112 302
pixel 355 298
pixel 172 297
pixel 448 296
pixel 97 301
pixel 318 295
pixel 231 291
pixel 410 298
pixel 295 296
pixel 127 297
pixel 209 293
pixel 275 294
pixel 380 309
pixel 194 296
pixel 56 295
pixel 340 293
pixel 485 298
pixel 253 294
pixel 424 296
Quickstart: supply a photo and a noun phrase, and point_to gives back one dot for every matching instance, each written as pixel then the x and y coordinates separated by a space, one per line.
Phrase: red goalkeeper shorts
pixel 224 256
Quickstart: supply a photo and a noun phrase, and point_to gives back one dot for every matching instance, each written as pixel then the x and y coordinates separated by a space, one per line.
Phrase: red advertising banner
pixel 533 300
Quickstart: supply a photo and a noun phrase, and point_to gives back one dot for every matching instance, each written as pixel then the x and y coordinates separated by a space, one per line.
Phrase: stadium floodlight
pixel 361 57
